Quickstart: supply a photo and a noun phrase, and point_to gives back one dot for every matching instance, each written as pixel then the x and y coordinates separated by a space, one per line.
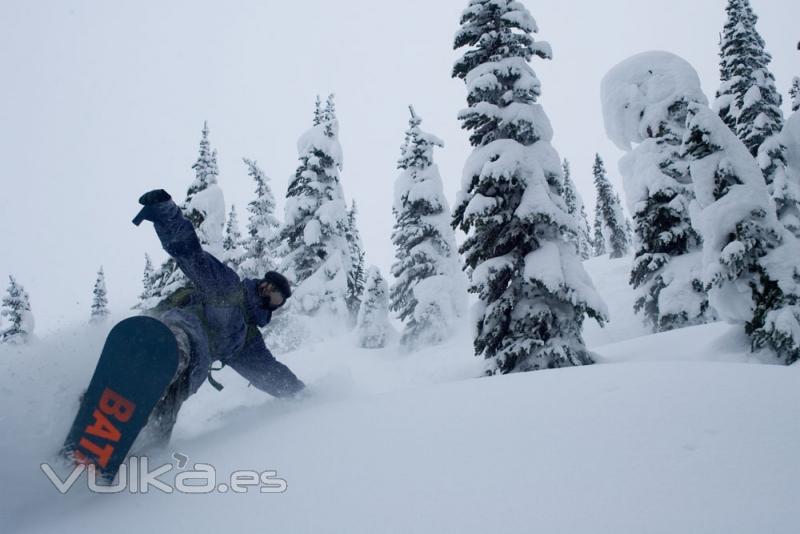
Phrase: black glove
pixel 154 197
pixel 148 199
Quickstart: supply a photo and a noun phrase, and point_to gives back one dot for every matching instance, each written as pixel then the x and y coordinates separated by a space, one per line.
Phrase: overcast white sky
pixel 101 101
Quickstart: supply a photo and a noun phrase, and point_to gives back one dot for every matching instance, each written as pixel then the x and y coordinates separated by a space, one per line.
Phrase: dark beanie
pixel 279 281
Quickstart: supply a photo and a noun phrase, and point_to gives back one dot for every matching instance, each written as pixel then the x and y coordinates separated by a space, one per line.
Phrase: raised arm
pixel 179 239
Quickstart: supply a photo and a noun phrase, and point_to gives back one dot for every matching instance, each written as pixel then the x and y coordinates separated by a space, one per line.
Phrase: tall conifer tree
pixel 794 94
pixel 645 100
pixel 314 249
pixel 750 104
pixel 598 241
pixel 233 245
pixel 427 291
pixel 262 227
pixel 576 209
pixel 100 299
pixel 356 276
pixel 16 308
pixel 533 293
pixel 372 325
pixel 612 222
pixel 148 285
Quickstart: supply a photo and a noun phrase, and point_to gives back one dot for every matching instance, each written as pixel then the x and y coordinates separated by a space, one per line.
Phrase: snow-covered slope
pixel 669 433
pixel 611 279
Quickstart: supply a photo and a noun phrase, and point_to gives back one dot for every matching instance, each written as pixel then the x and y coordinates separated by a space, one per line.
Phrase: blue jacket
pixel 227 324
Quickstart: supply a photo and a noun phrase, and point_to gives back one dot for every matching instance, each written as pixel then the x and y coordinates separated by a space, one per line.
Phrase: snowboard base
pixel 138 361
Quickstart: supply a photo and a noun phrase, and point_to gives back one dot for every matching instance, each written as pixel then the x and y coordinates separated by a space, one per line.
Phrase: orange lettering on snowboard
pixel 103 428
pixel 111 405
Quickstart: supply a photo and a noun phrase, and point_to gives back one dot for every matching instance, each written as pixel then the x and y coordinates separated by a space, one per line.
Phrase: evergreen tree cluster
pixel 750 258
pixel 251 256
pixel 525 225
pixel 314 262
pixel 714 194
pixel 16 309
pixel 760 250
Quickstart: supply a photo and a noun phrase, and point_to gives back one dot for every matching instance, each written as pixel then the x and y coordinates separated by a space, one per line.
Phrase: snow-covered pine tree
pixel 533 292
pixel 747 99
pixel 262 227
pixel 314 245
pixel 644 100
pixel 598 241
pixel 17 310
pixel 576 209
pixel 738 41
pixel 148 286
pixel 205 203
pixel 790 139
pixel 206 170
pixel 100 299
pixel 750 104
pixel 609 212
pixel 750 259
pixel 372 326
pixel 317 111
pixel 233 245
pixel 166 279
pixel 428 291
pixel 628 224
pixel 786 187
pixel 205 208
pixel 356 276
pixel 794 93
pixel 328 117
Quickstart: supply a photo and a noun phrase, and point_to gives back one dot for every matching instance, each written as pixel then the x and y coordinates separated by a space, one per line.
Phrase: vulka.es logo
pixel 136 476
pixel 102 435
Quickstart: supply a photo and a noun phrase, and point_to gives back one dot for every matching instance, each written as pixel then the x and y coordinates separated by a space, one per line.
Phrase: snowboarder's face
pixel 273 298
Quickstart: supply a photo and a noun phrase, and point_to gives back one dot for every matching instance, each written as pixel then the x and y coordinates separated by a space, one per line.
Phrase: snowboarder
pixel 217 318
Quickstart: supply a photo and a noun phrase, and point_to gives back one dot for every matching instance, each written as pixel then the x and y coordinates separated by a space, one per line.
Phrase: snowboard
pixel 138 362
